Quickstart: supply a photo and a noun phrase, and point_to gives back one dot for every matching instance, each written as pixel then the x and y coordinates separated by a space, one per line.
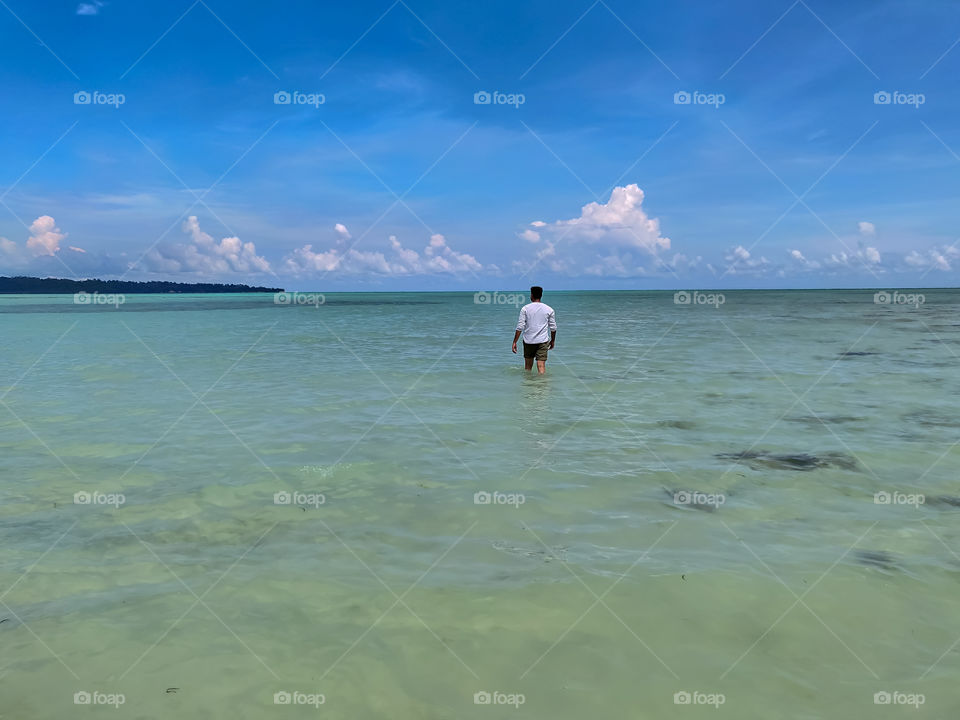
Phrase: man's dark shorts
pixel 535 350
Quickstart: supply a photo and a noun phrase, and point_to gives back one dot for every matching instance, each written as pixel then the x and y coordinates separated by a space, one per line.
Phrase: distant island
pixel 33 285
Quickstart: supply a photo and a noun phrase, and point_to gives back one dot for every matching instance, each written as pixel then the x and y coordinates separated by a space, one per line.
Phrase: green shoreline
pixel 23 285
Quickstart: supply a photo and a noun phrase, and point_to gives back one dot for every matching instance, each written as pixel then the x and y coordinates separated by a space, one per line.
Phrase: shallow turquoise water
pixel 401 597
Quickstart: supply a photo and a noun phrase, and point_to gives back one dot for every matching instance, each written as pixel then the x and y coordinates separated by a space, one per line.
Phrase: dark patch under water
pixel 829 419
pixel 802 462
pixel 929 418
pixel 940 500
pixel 856 354
pixel 876 558
pixel 678 424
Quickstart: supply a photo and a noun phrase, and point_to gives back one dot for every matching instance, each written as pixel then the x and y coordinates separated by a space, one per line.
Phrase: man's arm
pixel 552 323
pixel 521 324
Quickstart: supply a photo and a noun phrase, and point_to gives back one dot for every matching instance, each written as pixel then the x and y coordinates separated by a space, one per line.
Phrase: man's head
pixel 536 292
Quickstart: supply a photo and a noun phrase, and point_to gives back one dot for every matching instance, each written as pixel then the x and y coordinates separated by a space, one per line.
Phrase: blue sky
pixel 785 169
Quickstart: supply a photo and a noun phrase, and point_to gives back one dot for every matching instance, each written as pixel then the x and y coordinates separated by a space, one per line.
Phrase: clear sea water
pixel 787 589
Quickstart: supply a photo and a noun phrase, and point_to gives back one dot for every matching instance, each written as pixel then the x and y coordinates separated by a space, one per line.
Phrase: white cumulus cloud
pixel 936 258
pixel 802 260
pixel 621 221
pixel 615 238
pixel 45 236
pixel 205 255
pixel 740 260
pixel 867 256
pixel 436 258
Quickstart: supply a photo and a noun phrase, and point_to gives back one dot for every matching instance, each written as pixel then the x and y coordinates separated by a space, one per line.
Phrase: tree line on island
pixel 32 285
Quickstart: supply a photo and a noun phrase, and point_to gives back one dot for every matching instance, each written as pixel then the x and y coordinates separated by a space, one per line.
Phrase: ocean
pixel 359 505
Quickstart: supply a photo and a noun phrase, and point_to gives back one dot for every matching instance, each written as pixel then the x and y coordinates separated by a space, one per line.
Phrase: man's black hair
pixel 536 292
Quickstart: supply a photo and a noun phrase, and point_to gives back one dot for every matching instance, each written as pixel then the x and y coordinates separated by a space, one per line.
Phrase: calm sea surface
pixel 209 500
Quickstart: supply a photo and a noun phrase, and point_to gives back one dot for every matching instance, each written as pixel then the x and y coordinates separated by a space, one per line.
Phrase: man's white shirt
pixel 536 322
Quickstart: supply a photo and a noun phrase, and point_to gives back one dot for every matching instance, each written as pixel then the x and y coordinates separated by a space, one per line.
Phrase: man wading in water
pixel 538 324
